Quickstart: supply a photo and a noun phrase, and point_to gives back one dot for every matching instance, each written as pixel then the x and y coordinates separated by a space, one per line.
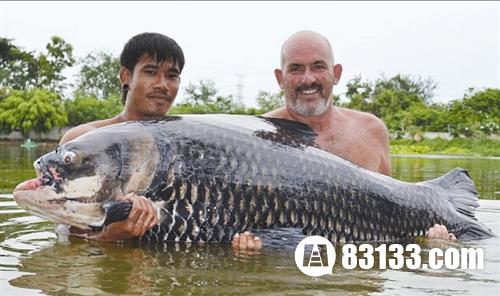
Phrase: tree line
pixel 35 96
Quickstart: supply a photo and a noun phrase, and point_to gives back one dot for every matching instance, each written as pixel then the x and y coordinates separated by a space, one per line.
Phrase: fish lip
pixel 45 209
pixel 46 177
pixel 26 189
pixel 20 190
pixel 51 217
pixel 26 186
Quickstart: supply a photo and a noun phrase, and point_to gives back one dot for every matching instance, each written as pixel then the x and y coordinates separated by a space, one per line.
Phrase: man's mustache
pixel 158 94
pixel 301 88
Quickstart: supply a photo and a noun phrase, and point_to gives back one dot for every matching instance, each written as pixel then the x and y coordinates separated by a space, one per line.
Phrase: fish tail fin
pixel 463 195
pixel 461 189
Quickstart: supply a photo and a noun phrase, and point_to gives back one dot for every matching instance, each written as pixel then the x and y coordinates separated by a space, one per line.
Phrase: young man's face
pixel 152 87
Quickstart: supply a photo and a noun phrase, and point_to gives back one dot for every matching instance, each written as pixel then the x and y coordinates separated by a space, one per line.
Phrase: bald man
pixel 307 76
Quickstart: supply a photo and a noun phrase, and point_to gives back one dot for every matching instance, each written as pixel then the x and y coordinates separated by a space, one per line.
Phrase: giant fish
pixel 211 176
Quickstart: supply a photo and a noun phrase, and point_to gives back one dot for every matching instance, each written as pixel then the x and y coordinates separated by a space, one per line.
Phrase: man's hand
pixel 440 232
pixel 142 217
pixel 246 241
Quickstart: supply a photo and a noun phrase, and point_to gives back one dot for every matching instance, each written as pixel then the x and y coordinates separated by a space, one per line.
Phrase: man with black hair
pixel 151 65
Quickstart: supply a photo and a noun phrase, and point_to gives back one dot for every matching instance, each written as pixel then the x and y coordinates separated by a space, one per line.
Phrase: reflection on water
pixel 34 261
pixel 485 172
pixel 90 268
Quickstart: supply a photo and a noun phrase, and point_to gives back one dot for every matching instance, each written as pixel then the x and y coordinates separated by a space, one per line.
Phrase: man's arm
pixel 380 136
pixel 385 160
pixel 75 133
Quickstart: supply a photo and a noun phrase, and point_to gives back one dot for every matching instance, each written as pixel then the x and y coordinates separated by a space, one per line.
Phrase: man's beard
pixel 303 109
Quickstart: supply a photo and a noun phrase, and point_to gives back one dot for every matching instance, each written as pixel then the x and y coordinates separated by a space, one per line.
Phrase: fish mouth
pixel 44 201
pixel 40 185
pixel 46 177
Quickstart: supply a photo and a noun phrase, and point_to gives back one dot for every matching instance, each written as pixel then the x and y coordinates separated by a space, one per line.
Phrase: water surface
pixel 34 261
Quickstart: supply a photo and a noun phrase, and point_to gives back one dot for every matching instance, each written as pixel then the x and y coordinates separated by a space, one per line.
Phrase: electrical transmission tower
pixel 239 90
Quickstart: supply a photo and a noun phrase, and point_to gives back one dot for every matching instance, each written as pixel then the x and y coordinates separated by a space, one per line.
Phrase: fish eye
pixel 69 157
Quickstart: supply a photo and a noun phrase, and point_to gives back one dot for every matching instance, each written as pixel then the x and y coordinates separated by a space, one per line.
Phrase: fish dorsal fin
pixel 279 131
pixel 289 132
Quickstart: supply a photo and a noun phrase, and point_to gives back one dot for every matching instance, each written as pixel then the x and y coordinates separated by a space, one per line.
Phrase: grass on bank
pixel 457 146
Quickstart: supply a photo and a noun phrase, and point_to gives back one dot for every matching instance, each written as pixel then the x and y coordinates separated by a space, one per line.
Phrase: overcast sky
pixel 455 43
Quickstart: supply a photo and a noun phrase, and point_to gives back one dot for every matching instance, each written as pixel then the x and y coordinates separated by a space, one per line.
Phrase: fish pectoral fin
pixel 282 238
pixel 116 211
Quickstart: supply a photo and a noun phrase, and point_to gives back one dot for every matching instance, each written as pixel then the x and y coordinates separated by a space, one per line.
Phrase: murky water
pixel 34 261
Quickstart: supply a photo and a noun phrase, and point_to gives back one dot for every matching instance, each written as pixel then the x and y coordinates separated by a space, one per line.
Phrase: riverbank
pixel 457 146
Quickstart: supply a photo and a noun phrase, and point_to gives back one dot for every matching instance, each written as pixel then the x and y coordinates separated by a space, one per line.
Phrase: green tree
pixel 477 110
pixel 202 98
pixel 59 56
pixel 202 93
pixel 18 68
pixel 84 109
pixel 485 105
pixel 99 76
pixel 387 102
pixel 268 101
pixel 392 99
pixel 36 110
pixel 421 88
pixel 23 70
pixel 399 93
pixel 359 94
pixel 4 92
pixel 431 118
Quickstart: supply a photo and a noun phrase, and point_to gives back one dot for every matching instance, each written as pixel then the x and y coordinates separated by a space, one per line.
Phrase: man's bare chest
pixel 353 148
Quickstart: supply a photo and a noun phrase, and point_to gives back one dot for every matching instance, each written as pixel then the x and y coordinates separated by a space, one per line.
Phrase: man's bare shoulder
pixel 374 131
pixel 85 128
pixel 367 120
pixel 278 113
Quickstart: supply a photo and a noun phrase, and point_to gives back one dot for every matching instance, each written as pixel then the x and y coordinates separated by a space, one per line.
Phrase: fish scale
pixel 217 175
